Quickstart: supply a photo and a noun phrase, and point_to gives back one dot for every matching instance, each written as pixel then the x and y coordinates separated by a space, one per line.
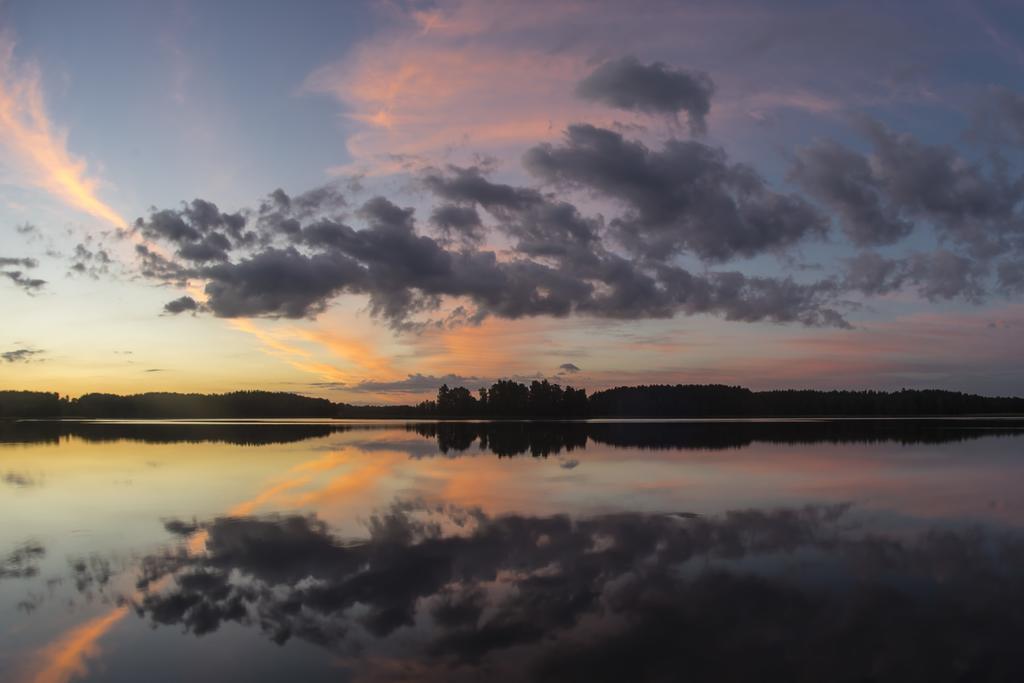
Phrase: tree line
pixel 540 399
pixel 505 398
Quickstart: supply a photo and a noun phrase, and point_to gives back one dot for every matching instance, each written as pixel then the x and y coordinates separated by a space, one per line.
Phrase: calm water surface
pixel 811 550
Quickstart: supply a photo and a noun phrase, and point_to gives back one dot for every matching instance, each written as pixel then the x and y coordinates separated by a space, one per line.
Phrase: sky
pixel 364 200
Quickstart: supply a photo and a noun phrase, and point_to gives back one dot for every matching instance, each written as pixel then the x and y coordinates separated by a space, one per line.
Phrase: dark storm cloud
pixel 654 88
pixel 686 197
pixel 799 594
pixel 20 355
pixel 181 305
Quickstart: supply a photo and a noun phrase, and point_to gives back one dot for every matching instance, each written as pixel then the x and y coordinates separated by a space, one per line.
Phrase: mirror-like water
pixel 808 550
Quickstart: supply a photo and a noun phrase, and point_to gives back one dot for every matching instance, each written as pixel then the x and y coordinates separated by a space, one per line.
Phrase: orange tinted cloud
pixel 360 359
pixel 447 78
pixel 65 658
pixel 37 147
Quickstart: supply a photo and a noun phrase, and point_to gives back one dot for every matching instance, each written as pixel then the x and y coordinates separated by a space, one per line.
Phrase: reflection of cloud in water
pixel 19 480
pixel 22 562
pixel 789 594
pixel 65 658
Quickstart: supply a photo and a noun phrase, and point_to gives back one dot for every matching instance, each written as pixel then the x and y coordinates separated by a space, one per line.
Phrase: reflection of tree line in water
pixel 537 438
pixel 796 594
pixel 542 439
pixel 240 434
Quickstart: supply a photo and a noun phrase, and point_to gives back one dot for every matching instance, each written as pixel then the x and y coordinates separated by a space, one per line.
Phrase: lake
pixel 796 550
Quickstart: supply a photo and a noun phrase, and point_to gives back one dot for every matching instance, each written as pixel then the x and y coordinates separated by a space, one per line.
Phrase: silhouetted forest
pixel 238 404
pixel 507 399
pixel 712 400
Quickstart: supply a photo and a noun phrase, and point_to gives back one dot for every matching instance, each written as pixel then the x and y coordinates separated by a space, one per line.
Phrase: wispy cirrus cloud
pixel 36 147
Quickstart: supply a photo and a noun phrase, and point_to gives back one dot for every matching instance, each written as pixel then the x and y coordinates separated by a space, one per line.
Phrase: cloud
pixel 90 262
pixel 30 285
pixel 1000 118
pixel 969 204
pixel 181 305
pixel 655 88
pixel 21 355
pixel 18 262
pixel 22 562
pixel 20 480
pixel 293 256
pixel 200 231
pixel 938 275
pixel 880 196
pixel 463 593
pixel 568 368
pixel 39 148
pixel 686 197
pixel 845 182
pixel 12 270
pixel 415 90
pixel 414 384
pixel 423 84
pixel 279 283
pixel 561 268
pixel 461 222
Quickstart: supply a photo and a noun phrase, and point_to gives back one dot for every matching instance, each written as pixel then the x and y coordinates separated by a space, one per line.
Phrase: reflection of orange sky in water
pixel 65 658
pixel 913 480
pixel 918 480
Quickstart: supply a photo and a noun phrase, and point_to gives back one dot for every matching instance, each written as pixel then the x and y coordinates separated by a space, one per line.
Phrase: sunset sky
pixel 364 200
